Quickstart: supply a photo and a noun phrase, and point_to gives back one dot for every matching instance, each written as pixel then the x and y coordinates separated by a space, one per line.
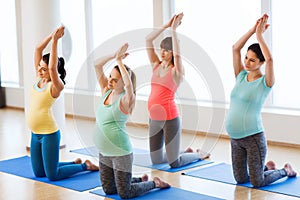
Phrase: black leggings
pixel 249 154
pixel 169 133
pixel 116 177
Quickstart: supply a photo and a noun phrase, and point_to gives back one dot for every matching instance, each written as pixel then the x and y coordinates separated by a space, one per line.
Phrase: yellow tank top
pixel 39 116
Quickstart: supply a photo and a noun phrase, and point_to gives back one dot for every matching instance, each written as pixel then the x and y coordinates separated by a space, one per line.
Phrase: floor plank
pixel 77 133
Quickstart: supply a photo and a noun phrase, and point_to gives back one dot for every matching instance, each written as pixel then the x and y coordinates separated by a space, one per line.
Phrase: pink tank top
pixel 161 102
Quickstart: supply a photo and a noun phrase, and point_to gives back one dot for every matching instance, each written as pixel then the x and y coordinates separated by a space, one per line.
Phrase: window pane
pixel 8 43
pixel 74 43
pixel 216 29
pixel 286 42
pixel 114 17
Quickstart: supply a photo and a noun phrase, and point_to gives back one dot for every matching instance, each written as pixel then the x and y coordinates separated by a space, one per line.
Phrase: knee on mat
pixel 156 161
pixel 52 178
pixel 241 180
pixel 39 174
pixel 257 184
pixel 174 164
pixel 109 191
pixel 124 194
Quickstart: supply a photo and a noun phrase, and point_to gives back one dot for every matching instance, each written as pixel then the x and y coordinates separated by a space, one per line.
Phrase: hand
pixel 121 53
pixel 254 28
pixel 177 20
pixel 58 33
pixel 262 25
pixel 169 24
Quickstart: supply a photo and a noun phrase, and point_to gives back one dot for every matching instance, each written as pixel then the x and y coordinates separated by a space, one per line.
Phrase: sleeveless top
pixel 110 134
pixel 39 116
pixel 161 102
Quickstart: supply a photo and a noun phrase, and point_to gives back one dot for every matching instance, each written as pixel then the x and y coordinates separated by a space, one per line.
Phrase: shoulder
pixel 265 83
pixel 156 65
pixel 241 75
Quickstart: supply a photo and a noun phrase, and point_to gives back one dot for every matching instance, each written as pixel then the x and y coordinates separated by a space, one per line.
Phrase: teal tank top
pixel 246 102
pixel 110 134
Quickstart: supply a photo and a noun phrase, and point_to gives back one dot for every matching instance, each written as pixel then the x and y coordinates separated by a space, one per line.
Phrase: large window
pixel 114 17
pixel 9 64
pixel 215 26
pixel 74 42
pixel 286 43
pixel 116 22
pixel 90 24
pixel 207 33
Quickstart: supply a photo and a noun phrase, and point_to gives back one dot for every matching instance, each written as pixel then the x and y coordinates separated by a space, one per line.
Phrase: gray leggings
pixel 168 132
pixel 116 177
pixel 249 154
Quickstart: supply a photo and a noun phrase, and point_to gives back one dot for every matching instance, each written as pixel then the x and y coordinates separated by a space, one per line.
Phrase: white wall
pixel 280 126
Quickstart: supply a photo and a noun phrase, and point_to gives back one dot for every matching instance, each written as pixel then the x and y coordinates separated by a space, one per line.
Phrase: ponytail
pixel 60 66
pixel 61 69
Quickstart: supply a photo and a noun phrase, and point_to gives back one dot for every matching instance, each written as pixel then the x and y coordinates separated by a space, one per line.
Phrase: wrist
pixel 119 60
pixel 165 26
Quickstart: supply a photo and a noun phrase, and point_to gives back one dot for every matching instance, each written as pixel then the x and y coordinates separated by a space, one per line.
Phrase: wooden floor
pixel 77 133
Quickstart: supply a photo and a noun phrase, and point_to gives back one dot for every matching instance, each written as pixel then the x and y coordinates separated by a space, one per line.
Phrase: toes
pixel 271 165
pixel 144 178
pixel 78 161
pixel 91 166
pixel 189 150
pixel 160 184
pixel 289 170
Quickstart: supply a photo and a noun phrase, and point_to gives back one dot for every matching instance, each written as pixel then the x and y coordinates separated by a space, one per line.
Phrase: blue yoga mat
pixel 166 194
pixel 222 172
pixel 22 167
pixel 144 160
pixel 141 157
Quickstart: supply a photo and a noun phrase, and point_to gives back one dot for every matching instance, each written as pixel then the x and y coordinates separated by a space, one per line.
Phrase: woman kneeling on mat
pixel 244 123
pixel 45 137
pixel 164 122
pixel 111 138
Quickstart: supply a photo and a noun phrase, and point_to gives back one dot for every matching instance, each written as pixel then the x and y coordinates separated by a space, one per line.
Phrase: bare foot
pixel 160 183
pixel 203 154
pixel 78 161
pixel 91 166
pixel 289 170
pixel 270 165
pixel 144 178
pixel 189 150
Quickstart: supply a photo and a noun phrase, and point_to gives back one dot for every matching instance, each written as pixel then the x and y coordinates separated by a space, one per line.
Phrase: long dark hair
pixel 60 66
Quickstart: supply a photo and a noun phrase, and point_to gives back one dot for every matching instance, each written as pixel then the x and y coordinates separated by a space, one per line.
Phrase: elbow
pixel 96 65
pixel 149 43
pixel 52 69
pixel 149 40
pixel 269 60
pixel 176 56
pixel 38 48
pixel 235 48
